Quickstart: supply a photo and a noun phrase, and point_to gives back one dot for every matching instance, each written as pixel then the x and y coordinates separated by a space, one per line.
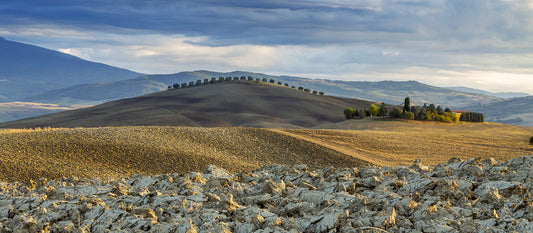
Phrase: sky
pixel 484 44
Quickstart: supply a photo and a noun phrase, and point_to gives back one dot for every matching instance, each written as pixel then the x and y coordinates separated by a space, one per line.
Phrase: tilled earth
pixel 458 196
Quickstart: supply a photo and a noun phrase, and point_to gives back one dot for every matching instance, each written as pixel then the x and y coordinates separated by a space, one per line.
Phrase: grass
pixel 123 151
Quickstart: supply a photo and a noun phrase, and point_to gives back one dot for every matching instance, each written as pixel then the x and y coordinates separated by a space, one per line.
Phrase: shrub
pixel 531 141
pixel 243 77
pixel 184 85
pixel 408 115
pixel 265 80
pixel 206 81
pixel 258 80
pixel 286 84
pixel 198 82
pixel 279 83
pixel 301 88
pixel 191 84
pixel 349 113
pixel 315 92
pixel 169 87
pixel 382 111
pixel 220 78
pixel 373 109
pixel 293 87
pixel 235 78
pixel 250 78
pixel 396 113
pixel 176 85
pixel 307 90
pixel 272 80
pixel 228 78
pixel 213 80
pixel 321 93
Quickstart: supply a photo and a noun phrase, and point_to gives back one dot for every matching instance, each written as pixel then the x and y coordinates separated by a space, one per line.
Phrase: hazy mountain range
pixel 28 70
pixel 33 74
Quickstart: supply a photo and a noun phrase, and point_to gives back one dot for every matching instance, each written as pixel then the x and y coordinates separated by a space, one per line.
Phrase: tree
pixel 176 85
pixel 432 108
pixel 531 141
pixel 349 113
pixel 408 115
pixel 448 110
pixel 439 110
pixel 373 110
pixel 407 104
pixel 414 110
pixel 321 93
pixel 395 113
pixel 423 115
pixel 383 110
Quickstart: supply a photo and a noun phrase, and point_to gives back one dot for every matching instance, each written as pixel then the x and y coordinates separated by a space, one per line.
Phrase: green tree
pixel 448 110
pixel 408 115
pixel 373 110
pixel 383 110
pixel 439 110
pixel 349 113
pixel 423 115
pixel 395 113
pixel 407 104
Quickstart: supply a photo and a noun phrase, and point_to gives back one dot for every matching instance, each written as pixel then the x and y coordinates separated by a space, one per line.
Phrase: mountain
pixel 517 111
pixel 28 70
pixel 11 111
pixel 503 95
pixel 232 103
pixel 390 92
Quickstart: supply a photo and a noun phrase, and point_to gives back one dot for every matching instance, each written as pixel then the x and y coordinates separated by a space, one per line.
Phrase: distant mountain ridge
pixel 518 111
pixel 28 70
pixel 504 95
pixel 390 92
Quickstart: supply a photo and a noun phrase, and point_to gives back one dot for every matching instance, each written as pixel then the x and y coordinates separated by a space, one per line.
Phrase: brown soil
pixel 123 151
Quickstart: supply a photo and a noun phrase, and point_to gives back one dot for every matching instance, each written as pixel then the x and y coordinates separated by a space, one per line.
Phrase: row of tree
pixel 425 113
pixel 472 117
pixel 244 78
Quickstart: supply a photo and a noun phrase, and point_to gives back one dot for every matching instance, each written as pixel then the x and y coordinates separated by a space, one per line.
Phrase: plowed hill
pixel 235 103
pixel 123 151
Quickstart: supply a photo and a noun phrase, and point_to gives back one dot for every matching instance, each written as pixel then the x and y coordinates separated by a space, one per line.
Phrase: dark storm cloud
pixel 370 39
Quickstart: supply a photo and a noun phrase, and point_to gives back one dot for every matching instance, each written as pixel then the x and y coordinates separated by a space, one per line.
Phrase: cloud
pixel 433 41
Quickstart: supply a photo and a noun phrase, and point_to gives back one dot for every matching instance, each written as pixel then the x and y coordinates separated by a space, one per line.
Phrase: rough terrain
pixel 125 151
pixel 458 196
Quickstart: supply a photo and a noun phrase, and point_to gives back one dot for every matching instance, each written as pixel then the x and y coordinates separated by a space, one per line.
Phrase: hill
pixel 518 111
pixel 11 111
pixel 391 92
pixel 28 70
pixel 503 95
pixel 233 103
pixel 124 151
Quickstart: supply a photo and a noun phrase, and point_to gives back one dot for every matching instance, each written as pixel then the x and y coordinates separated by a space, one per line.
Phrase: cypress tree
pixel 407 104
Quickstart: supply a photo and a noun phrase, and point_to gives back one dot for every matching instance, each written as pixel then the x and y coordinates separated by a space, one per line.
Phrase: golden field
pixel 123 151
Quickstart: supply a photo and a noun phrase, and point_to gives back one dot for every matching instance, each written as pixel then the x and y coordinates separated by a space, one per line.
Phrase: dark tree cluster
pixel 243 78
pixel 472 117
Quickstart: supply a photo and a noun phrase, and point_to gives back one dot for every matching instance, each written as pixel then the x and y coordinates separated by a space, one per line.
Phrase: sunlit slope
pixel 121 151
pixel 224 104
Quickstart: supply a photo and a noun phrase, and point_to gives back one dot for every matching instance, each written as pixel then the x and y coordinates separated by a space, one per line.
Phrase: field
pixel 122 151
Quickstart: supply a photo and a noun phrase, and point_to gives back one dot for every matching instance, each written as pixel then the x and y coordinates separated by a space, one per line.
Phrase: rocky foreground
pixel 458 196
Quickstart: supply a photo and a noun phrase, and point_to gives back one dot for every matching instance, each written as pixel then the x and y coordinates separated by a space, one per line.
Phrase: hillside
pixel 233 103
pixel 124 151
pixel 518 111
pixel 503 95
pixel 391 92
pixel 28 70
